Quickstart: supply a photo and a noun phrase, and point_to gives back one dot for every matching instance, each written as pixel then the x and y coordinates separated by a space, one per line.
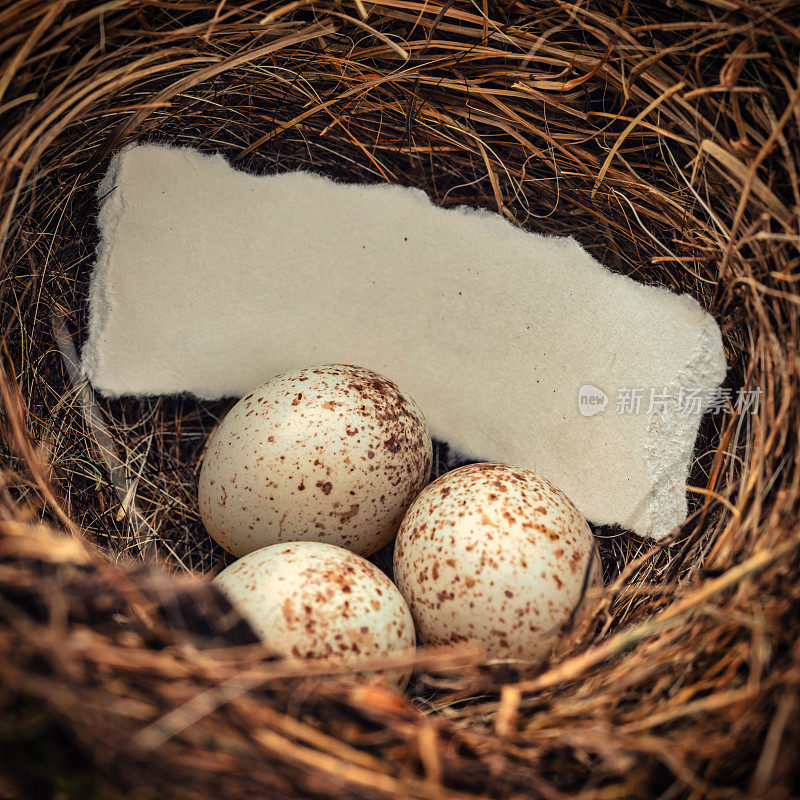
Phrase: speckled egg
pixel 314 600
pixel 493 554
pixel 330 454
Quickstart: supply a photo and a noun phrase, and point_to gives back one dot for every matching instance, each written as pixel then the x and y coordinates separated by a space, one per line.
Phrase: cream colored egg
pixel 331 454
pixel 313 600
pixel 493 554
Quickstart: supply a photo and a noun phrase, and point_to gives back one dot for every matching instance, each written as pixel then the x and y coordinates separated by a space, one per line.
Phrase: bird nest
pixel 665 137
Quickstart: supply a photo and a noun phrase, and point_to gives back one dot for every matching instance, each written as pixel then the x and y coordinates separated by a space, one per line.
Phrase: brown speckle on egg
pixel 333 454
pixel 517 553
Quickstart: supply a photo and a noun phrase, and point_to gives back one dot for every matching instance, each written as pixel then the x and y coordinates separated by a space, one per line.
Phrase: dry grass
pixel 665 136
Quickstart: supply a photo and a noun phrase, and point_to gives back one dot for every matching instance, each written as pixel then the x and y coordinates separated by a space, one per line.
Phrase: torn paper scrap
pixel 518 347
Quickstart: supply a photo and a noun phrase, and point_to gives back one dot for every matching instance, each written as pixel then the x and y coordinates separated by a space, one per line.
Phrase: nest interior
pixel 665 137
